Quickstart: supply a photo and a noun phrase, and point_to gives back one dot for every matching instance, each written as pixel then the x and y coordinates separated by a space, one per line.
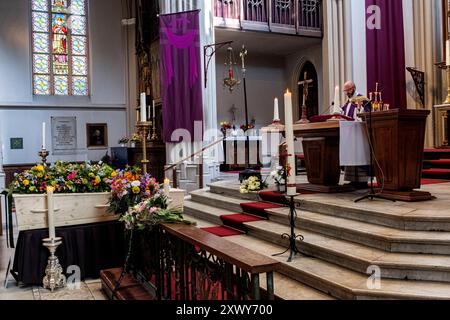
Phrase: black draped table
pixel 92 247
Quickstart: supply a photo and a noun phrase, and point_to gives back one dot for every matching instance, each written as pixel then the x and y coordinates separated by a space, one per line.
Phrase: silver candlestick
pixel 54 278
pixel 43 154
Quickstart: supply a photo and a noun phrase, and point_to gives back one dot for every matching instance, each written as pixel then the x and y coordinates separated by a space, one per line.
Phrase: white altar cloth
pixel 354 148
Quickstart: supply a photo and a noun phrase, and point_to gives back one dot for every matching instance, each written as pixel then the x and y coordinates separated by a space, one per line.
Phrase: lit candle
pixel 166 186
pixel 371 96
pixel 43 135
pixel 50 213
pixel 447 45
pixel 276 110
pixel 143 107
pixel 291 183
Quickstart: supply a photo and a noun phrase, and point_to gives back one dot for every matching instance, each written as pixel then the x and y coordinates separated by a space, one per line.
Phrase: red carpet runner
pixel 223 231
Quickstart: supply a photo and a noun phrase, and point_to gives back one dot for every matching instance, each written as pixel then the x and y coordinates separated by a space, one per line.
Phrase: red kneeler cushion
pixel 223 231
pixel 259 208
pixel 273 196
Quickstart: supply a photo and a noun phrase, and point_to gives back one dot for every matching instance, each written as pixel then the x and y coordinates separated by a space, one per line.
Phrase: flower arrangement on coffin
pixel 252 184
pixel 150 212
pixel 129 187
pixel 64 178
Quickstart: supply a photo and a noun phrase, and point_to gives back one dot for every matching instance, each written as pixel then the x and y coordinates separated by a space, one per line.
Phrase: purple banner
pixel 386 51
pixel 181 81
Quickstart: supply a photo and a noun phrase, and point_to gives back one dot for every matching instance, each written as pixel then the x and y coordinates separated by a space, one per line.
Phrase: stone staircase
pixel 344 242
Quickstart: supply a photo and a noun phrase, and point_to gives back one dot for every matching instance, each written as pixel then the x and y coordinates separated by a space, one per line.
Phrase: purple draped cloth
pixel 181 81
pixel 386 53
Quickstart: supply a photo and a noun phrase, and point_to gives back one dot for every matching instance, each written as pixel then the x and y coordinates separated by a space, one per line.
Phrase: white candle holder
pixel 54 277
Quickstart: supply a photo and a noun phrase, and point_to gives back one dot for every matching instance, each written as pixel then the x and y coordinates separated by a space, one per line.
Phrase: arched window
pixel 60 47
pixel 313 97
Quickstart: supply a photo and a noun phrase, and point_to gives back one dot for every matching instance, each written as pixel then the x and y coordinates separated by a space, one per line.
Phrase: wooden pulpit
pixel 321 149
pixel 398 141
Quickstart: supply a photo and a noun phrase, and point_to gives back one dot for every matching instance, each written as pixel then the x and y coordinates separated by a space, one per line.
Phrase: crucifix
pixel 306 82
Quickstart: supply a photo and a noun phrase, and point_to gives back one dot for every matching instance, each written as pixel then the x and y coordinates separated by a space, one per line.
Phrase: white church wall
pixel 266 79
pixel 22 113
pixel 27 124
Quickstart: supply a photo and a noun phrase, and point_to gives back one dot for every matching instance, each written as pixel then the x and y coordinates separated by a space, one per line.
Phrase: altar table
pixel 92 247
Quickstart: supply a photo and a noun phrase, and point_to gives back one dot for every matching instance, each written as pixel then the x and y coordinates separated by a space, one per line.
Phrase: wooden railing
pixel 181 262
pixel 303 17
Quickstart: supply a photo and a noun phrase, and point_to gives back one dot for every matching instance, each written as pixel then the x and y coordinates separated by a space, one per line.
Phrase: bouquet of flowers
pixel 250 126
pixel 252 184
pixel 278 175
pixel 64 178
pixel 129 187
pixel 135 137
pixel 224 126
pixel 151 212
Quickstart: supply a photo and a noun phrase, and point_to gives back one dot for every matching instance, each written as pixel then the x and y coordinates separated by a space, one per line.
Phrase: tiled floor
pixel 87 290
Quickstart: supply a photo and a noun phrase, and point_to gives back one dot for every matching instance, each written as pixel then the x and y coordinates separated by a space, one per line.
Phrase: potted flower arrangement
pixel 252 184
pixel 123 141
pixel 135 138
pixel 224 126
pixel 81 196
pixel 279 177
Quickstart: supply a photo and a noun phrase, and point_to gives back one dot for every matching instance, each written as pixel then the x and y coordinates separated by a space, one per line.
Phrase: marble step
pixel 343 283
pixel 376 236
pixel 351 255
pixel 358 257
pixel 400 215
pixel 217 200
pixel 372 235
pixel 286 288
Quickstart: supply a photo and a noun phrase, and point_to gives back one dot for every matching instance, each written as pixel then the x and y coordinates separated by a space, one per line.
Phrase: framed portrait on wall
pixel 97 135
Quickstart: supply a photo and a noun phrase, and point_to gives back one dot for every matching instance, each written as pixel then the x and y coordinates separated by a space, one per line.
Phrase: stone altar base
pixel 324 189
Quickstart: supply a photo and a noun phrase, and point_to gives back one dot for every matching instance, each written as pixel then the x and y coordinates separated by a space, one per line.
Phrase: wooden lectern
pixel 398 141
pixel 321 149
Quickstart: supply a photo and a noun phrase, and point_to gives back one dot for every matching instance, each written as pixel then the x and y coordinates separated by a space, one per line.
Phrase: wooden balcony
pixel 296 17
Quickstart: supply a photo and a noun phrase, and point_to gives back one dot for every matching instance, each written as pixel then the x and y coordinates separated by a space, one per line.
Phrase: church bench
pixel 183 262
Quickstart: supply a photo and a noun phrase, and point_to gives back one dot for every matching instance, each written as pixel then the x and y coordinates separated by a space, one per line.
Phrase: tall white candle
pixel 143 107
pixel 336 101
pixel 276 110
pixel 50 213
pixel 291 184
pixel 43 135
pixel 154 112
pixel 447 52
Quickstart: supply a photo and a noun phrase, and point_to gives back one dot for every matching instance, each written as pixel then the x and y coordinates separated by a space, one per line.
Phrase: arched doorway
pixel 313 96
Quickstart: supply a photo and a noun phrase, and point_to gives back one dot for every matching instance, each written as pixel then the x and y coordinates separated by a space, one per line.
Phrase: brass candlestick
pixel 144 130
pixel 54 277
pixel 154 135
pixel 304 118
pixel 43 154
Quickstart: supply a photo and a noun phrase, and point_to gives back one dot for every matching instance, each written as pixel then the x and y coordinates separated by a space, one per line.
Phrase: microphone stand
pixel 372 195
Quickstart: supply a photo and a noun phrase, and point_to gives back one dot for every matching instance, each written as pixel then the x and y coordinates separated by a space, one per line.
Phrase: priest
pixel 357 176
pixel 351 108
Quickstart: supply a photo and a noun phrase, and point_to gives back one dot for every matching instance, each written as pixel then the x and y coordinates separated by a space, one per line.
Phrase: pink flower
pixel 72 175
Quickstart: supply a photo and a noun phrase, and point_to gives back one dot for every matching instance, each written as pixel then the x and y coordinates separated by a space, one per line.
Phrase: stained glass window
pixel 60 47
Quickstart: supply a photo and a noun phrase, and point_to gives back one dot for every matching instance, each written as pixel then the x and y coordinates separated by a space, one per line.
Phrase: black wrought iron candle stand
pixel 292 237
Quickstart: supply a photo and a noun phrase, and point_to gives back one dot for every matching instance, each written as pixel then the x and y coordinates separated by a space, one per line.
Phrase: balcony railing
pixel 302 17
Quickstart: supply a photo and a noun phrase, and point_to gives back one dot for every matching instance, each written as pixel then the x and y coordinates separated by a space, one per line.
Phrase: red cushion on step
pixel 240 218
pixel 441 161
pixel 273 196
pixel 433 181
pixel 258 208
pixel 222 231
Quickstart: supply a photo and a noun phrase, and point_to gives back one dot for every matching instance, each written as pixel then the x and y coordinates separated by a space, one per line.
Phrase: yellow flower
pixel 91 174
pixel 40 167
pixel 113 174
pixel 26 182
pixel 136 190
pixel 40 175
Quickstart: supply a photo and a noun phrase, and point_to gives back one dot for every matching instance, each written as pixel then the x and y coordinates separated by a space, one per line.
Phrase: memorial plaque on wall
pixel 64 135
